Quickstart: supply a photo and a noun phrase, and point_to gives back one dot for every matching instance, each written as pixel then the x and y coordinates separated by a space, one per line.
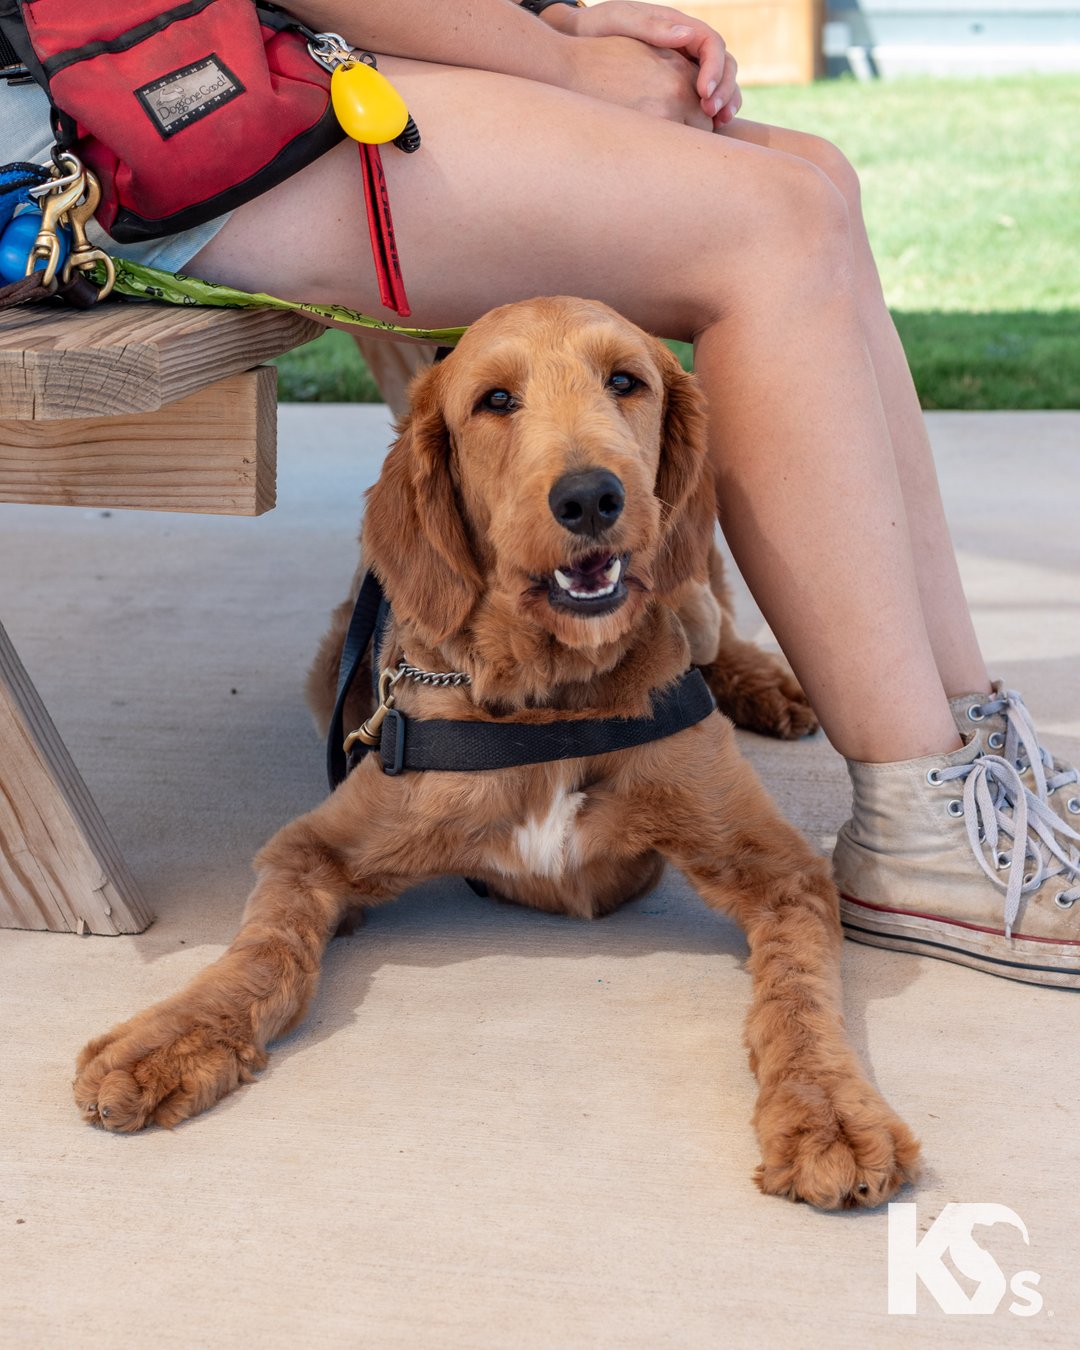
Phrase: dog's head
pixel 552 471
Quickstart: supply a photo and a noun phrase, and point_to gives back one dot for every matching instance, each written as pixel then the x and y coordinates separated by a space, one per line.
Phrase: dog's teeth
pixel 563 580
pixel 613 570
pixel 593 595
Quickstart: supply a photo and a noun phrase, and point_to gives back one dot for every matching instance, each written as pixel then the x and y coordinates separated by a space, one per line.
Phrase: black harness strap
pixel 368 616
pixel 475 747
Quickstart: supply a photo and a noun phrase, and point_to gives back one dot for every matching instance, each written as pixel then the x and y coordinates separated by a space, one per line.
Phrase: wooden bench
pixel 153 407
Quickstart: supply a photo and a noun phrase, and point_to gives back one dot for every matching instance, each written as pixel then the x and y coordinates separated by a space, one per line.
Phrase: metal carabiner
pixel 329 50
pixel 54 184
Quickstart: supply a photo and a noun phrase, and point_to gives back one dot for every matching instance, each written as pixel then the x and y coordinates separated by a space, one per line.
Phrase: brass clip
pixel 84 255
pixel 370 732
pixel 54 209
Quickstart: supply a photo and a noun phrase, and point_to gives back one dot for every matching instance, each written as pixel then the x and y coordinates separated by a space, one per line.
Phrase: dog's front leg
pixel 180 1056
pixel 826 1134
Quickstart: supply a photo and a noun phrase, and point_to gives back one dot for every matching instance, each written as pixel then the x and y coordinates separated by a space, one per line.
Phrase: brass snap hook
pixel 369 733
pixel 84 255
pixel 46 247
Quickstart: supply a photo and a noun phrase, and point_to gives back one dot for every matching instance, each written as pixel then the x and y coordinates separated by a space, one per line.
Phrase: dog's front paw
pixel 836 1147
pixel 780 708
pixel 760 694
pixel 165 1065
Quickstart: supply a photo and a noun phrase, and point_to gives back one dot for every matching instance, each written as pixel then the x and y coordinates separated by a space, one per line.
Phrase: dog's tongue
pixel 587 568
pixel 595 574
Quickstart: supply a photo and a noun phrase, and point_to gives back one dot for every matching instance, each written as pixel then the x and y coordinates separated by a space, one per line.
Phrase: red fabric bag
pixel 184 112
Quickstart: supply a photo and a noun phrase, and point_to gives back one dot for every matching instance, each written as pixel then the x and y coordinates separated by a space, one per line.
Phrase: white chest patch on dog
pixel 548 845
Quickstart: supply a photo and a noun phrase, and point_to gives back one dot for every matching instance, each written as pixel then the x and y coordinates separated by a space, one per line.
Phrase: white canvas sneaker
pixel 953 856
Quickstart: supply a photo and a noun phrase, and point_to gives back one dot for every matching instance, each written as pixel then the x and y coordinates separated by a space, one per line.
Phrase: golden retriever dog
pixel 542 516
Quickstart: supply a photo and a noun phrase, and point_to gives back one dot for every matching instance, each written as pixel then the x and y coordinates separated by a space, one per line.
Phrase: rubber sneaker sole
pixel 1031 960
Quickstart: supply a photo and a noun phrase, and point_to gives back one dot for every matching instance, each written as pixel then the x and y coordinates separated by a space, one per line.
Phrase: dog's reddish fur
pixel 458 528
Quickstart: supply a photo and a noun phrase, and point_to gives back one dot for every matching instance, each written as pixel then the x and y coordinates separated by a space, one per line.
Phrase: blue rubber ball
pixel 17 241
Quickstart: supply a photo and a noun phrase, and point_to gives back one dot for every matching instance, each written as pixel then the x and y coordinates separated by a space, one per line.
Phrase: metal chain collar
pixel 443 679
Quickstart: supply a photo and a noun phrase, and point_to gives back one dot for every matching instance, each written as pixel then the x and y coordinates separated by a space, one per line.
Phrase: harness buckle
pixel 397 721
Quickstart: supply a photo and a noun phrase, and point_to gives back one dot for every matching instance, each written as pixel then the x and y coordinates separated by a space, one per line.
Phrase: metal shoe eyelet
pixel 1003 860
pixel 996 740
pixel 1051 790
pixel 975 713
pixel 1020 765
pixel 1064 901
pixel 1073 805
pixel 1029 877
pixel 955 807
pixel 934 777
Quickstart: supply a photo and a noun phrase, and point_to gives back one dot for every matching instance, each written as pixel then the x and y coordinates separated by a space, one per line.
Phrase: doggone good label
pixel 184 96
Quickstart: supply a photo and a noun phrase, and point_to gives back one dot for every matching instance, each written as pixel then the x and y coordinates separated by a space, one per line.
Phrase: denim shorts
pixel 25 136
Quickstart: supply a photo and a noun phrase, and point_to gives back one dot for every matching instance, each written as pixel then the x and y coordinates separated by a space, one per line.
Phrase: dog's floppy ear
pixel 684 481
pixel 414 537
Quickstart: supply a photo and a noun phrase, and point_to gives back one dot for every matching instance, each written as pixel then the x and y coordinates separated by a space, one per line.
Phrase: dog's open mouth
pixel 590 585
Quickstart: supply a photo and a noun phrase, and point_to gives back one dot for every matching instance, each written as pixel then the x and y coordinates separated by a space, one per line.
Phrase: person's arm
pixel 498 35
pixel 483 34
pixel 668 28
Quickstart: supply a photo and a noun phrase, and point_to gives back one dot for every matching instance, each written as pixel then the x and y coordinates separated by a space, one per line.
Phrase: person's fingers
pixel 698 43
pixel 726 91
pixel 728 113
pixel 660 26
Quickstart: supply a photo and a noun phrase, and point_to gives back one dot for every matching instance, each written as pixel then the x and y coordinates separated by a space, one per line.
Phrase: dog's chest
pixel 546 844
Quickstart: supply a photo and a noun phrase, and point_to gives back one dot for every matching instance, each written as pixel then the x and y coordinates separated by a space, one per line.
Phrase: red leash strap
pixel 381 230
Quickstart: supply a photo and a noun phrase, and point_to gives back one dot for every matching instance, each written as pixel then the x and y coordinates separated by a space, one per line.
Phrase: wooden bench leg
pixel 60 868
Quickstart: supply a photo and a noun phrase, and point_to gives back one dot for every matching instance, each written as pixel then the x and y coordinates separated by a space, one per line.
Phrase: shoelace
pixel 1022 746
pixel 1010 826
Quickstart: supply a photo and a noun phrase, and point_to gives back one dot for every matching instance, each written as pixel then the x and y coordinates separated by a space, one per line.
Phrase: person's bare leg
pixel 945 608
pixel 522 189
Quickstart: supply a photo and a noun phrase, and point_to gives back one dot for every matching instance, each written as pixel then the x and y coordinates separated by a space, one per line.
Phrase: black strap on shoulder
pixel 370 608
pixel 475 747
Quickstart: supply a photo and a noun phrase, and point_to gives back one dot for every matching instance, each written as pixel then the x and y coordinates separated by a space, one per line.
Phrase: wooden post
pixel 774 41
pixel 59 866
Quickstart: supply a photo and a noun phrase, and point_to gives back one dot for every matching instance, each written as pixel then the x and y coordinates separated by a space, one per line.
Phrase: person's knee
pixel 834 164
pixel 811 215
pixel 790 242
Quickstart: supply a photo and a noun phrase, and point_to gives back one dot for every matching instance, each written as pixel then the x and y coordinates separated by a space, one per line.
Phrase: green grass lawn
pixel 971 190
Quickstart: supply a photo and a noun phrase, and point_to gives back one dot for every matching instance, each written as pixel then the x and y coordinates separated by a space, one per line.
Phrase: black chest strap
pixel 474 747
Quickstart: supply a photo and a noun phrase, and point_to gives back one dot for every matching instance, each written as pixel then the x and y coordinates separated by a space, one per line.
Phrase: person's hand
pixel 708 68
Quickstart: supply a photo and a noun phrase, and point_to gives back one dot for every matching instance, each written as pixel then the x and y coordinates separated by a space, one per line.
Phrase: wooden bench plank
pixel 214 451
pixel 60 868
pixel 130 358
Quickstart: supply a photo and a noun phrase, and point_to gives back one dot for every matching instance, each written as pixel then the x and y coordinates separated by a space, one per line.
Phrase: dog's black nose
pixel 588 502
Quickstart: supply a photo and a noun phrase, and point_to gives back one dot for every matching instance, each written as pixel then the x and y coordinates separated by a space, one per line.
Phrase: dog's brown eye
pixel 498 400
pixel 622 383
